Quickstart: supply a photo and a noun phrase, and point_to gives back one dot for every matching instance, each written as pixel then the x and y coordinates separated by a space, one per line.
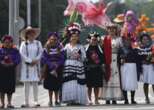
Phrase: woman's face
pixel 112 31
pixel 7 43
pixel 145 40
pixel 129 18
pixel 74 38
pixel 93 41
pixel 52 40
pixel 31 35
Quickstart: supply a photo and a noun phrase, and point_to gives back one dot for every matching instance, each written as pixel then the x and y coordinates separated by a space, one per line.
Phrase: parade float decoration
pixel 145 26
pixel 91 14
pixel 130 24
pixel 129 27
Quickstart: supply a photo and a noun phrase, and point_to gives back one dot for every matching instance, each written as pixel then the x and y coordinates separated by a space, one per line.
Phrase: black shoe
pixel 108 102
pixel 147 101
pixel 96 103
pixel 133 102
pixel 50 104
pixel 2 106
pixel 126 102
pixel 24 106
pixel 37 105
pixel 57 103
pixel 10 106
pixel 114 102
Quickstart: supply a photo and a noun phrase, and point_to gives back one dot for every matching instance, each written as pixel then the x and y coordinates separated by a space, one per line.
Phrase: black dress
pixel 52 82
pixel 7 79
pixel 8 73
pixel 94 73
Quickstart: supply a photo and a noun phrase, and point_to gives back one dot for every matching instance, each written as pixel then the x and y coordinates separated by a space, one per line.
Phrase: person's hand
pixel 122 61
pixel 76 55
pixel 6 64
pixel 54 73
pixel 34 62
pixel 41 77
pixel 152 60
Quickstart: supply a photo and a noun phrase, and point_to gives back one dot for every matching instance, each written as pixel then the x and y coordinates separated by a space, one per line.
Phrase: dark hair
pixel 93 34
pixel 53 34
pixel 7 37
pixel 142 35
pixel 73 31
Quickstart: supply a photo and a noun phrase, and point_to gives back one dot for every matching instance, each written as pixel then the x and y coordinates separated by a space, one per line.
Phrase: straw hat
pixel 119 18
pixel 28 29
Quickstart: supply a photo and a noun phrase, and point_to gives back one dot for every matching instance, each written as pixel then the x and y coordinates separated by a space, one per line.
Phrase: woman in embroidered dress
pixel 31 51
pixel 145 51
pixel 74 90
pixel 9 59
pixel 128 65
pixel 111 88
pixel 95 60
pixel 53 60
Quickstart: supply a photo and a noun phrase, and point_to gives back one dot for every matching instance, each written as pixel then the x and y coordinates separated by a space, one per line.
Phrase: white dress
pixel 111 89
pixel 129 77
pixel 72 90
pixel 129 80
pixel 148 73
pixel 30 51
pixel 147 69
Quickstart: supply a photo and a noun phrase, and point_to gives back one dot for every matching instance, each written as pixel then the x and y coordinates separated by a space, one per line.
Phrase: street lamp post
pixel 29 12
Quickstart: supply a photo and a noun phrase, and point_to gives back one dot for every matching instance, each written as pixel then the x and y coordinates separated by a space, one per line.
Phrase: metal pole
pixel 39 14
pixel 11 17
pixel 29 12
pixel 16 18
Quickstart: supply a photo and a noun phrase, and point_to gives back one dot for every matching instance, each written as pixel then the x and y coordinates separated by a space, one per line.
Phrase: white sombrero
pixel 29 28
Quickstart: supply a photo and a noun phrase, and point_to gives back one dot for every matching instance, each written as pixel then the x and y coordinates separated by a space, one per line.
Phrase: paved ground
pixel 18 100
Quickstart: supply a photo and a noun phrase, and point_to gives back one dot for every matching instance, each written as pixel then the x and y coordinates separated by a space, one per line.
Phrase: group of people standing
pixel 71 72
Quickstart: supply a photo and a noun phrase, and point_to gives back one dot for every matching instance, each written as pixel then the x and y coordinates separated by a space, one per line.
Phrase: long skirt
pixel 94 77
pixel 148 73
pixel 129 77
pixel 51 82
pixel 112 89
pixel 72 91
pixel 7 79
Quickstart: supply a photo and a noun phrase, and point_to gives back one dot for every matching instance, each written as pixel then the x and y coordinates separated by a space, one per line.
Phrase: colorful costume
pixel 129 68
pixel 8 73
pixel 94 71
pixel 74 86
pixel 111 87
pixel 30 51
pixel 54 56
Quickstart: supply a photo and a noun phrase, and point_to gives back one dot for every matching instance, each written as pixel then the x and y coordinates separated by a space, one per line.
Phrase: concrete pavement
pixel 18 100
